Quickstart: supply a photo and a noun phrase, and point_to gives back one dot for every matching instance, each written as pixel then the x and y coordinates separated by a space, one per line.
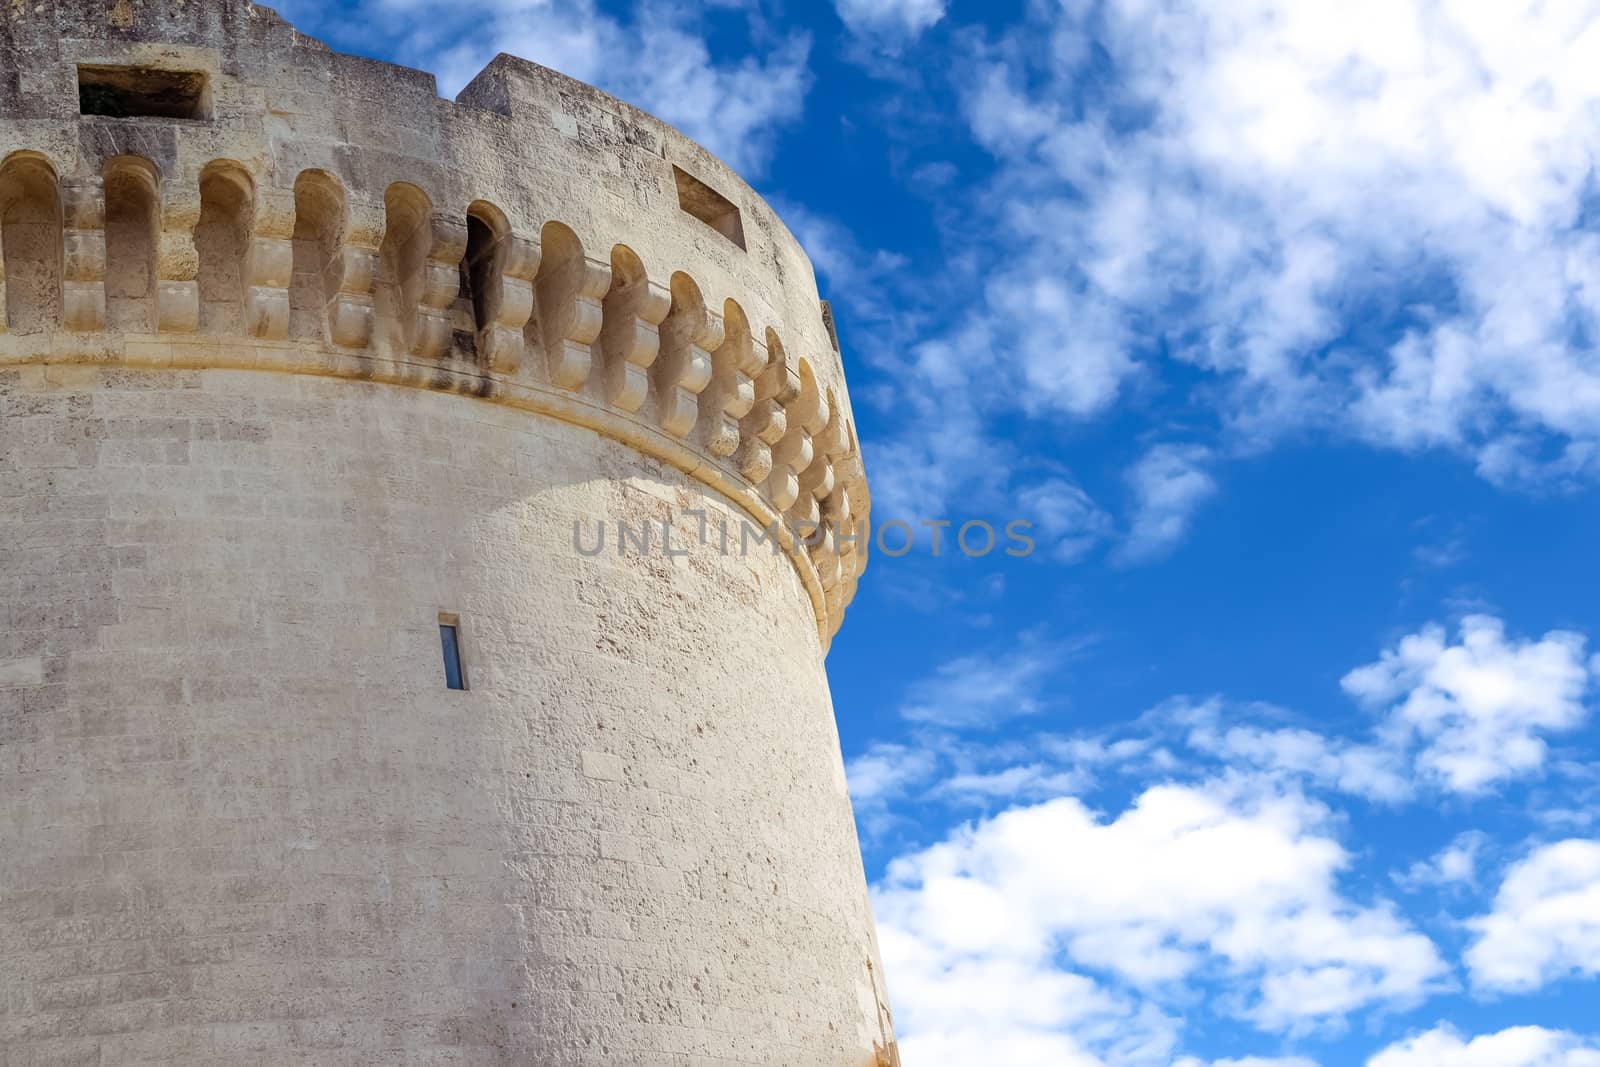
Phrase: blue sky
pixel 1278 319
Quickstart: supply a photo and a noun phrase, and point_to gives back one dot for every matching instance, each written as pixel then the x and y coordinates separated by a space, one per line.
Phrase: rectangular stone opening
pixel 142 92
pixel 455 675
pixel 709 206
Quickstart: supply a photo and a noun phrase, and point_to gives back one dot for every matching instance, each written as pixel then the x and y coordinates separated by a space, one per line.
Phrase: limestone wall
pixel 298 360
pixel 242 821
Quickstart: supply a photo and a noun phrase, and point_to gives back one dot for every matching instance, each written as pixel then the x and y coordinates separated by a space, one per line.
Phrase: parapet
pixel 194 183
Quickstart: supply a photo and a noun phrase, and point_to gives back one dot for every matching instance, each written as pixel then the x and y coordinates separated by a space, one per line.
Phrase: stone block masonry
pixel 298 360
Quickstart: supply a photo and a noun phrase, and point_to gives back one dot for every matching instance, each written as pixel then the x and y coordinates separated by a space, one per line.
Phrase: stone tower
pixel 327 735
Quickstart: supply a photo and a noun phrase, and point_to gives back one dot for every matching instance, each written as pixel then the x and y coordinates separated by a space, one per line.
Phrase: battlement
pixel 198 185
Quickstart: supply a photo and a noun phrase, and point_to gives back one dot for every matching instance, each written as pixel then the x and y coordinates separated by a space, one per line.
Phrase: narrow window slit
pixel 450 642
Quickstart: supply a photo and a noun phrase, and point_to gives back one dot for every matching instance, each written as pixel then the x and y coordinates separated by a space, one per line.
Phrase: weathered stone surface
pixel 295 368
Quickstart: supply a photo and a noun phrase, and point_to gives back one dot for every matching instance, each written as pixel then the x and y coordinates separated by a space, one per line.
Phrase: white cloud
pixel 1375 771
pixel 1545 923
pixel 894 17
pixel 1454 865
pixel 1017 782
pixel 1368 220
pixel 858 278
pixel 886 770
pixel 1169 484
pixel 1479 707
pixel 1189 881
pixel 984 689
pixel 1519 1046
pixel 1066 519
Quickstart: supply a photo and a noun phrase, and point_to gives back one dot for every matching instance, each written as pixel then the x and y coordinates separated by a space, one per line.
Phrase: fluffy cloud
pixel 1545 923
pixel 984 689
pixel 895 17
pixel 1066 520
pixel 1189 880
pixel 1227 877
pixel 1301 164
pixel 1454 865
pixel 1479 706
pixel 1169 484
pixel 1462 717
pixel 1370 220
pixel 1520 1046
pixel 886 770
pixel 1373 770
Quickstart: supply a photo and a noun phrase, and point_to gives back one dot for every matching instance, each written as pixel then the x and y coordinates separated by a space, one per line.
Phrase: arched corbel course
pixel 766 424
pixel 133 244
pixel 498 269
pixel 845 510
pixel 818 482
pixel 630 336
pixel 570 288
pixel 828 444
pixel 30 244
pixel 402 263
pixel 351 321
pixel 317 274
pixel 178 259
pixel 269 267
pixel 795 452
pixel 222 236
pixel 732 393
pixel 441 284
pixel 683 369
pixel 83 274
pixel 315 264
pixel 791 453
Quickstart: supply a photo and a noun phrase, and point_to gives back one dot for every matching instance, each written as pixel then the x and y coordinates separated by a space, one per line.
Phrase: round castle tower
pixel 311 380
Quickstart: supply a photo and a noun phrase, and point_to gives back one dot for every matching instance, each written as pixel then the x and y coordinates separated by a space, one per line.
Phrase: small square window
pixel 142 92
pixel 709 206
pixel 450 641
